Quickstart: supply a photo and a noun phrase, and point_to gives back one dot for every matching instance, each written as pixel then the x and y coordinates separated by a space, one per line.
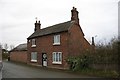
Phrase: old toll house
pixel 52 45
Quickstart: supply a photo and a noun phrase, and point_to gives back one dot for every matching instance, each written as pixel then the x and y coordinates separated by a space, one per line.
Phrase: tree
pixel 12 47
pixel 0 51
pixel 0 46
pixel 6 46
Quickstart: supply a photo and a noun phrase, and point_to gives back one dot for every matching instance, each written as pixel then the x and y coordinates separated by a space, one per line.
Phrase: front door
pixel 44 59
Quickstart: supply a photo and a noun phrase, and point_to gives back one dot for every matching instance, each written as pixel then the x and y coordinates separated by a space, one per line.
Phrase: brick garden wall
pixel 18 56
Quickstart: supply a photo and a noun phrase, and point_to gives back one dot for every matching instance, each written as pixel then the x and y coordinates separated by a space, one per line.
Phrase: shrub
pixel 80 62
pixel 5 56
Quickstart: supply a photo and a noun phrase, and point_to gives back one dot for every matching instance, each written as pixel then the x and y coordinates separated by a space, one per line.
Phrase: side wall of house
pixel 44 44
pixel 18 56
pixel 77 42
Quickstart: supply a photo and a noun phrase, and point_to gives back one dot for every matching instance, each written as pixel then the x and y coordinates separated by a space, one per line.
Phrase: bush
pixel 104 54
pixel 5 56
pixel 80 62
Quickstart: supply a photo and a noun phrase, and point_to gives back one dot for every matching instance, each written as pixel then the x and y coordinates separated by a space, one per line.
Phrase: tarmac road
pixel 1 69
pixel 16 70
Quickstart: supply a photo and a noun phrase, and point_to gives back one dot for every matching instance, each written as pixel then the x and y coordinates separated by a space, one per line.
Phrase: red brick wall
pixel 20 56
pixel 72 43
pixel 77 42
pixel 44 44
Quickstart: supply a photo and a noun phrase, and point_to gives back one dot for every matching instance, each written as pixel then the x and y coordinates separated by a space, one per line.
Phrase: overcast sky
pixel 17 17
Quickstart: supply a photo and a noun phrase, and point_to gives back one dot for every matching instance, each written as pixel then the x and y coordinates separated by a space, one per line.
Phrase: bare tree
pixel 0 51
pixel 6 46
pixel 12 47
pixel 0 46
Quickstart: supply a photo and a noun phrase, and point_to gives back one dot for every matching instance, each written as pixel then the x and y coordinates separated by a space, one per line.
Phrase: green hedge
pixel 80 62
pixel 103 54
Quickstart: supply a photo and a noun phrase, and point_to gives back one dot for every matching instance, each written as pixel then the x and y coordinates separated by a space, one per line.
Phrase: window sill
pixel 33 46
pixel 56 44
pixel 56 62
pixel 33 60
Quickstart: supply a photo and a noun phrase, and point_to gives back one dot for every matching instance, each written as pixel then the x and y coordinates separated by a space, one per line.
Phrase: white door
pixel 44 59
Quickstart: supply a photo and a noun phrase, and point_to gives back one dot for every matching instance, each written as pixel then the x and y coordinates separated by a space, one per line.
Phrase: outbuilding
pixel 19 53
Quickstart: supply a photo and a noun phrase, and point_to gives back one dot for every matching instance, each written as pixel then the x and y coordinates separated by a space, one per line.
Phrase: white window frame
pixel 57 57
pixel 33 60
pixel 33 43
pixel 56 40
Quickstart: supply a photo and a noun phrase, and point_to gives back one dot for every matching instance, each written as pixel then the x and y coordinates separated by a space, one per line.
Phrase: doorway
pixel 44 59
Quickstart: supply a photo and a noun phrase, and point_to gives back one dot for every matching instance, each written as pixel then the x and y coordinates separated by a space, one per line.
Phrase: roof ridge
pixel 60 27
pixel 55 24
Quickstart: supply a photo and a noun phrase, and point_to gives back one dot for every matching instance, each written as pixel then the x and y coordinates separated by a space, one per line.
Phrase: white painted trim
pixel 57 62
pixel 33 46
pixel 56 43
pixel 33 60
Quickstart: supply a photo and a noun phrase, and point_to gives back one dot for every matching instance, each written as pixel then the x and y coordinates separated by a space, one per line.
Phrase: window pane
pixel 33 42
pixel 34 56
pixel 60 56
pixel 53 56
pixel 57 39
pixel 57 57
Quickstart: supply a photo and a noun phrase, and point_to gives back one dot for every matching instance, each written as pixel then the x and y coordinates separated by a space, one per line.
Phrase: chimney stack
pixel 37 26
pixel 93 41
pixel 74 15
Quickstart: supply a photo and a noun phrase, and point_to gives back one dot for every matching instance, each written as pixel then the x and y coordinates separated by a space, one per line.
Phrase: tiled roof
pixel 61 27
pixel 21 47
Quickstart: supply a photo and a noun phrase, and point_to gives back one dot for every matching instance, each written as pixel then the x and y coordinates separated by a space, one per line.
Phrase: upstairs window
pixel 33 43
pixel 56 40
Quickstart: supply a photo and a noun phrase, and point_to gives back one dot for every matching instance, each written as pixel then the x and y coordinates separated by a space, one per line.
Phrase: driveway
pixel 16 70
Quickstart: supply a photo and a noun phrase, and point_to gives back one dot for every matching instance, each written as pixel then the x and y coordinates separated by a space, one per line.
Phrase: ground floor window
pixel 34 56
pixel 57 57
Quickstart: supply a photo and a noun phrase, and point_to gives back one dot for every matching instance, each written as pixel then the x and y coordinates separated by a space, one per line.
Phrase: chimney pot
pixel 39 21
pixel 73 7
pixel 37 26
pixel 74 15
pixel 93 41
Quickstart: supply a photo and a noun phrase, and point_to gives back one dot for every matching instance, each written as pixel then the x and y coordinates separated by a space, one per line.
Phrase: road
pixel 16 70
pixel 0 69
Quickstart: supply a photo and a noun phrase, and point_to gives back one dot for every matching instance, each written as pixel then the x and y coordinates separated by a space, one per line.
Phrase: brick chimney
pixel 37 26
pixel 93 43
pixel 74 15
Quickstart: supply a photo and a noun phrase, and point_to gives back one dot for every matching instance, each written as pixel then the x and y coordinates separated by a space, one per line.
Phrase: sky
pixel 119 19
pixel 98 18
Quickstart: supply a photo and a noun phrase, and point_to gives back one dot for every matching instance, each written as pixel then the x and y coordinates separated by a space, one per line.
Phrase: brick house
pixel 51 46
pixel 19 53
